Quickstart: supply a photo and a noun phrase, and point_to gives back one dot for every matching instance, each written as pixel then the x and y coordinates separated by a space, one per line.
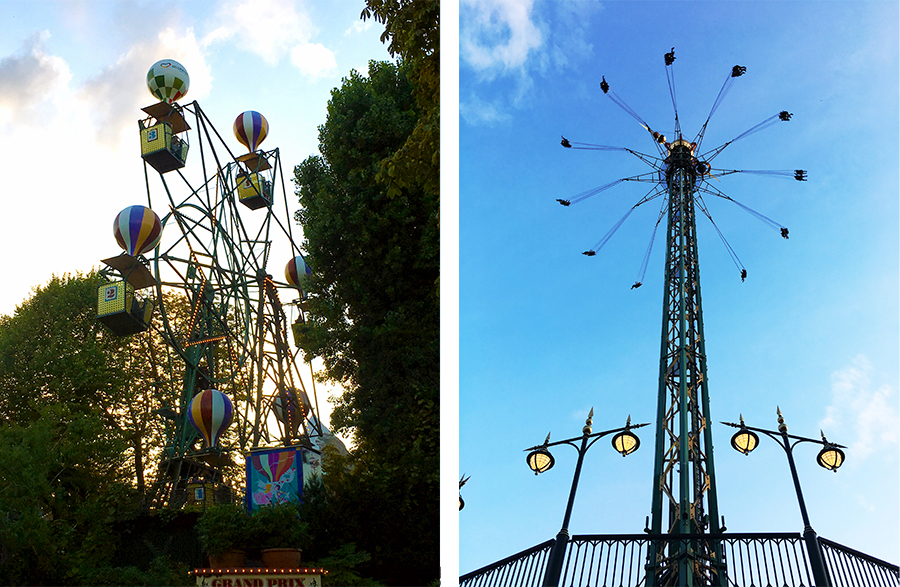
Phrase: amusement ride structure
pixel 195 271
pixel 684 543
pixel 684 498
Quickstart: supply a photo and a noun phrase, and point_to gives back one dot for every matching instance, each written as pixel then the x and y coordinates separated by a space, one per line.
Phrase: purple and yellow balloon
pixel 296 272
pixel 210 413
pixel 251 128
pixel 137 230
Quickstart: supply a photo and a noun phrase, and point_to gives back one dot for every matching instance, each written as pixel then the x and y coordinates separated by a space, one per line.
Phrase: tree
pixel 414 34
pixel 373 316
pixel 53 351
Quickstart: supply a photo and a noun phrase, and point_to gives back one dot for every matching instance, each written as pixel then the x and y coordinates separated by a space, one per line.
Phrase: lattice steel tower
pixel 684 499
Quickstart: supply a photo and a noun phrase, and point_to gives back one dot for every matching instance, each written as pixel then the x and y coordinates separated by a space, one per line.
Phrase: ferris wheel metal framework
pixel 213 260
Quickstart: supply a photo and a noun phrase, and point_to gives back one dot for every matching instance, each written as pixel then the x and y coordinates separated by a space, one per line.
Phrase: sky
pixel 73 81
pixel 546 333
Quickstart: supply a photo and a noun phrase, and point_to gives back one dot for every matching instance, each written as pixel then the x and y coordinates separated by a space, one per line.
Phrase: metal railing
pixel 850 567
pixel 525 569
pixel 752 560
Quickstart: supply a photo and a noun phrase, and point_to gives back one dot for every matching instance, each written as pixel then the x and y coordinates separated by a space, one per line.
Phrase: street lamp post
pixel 462 481
pixel 539 460
pixel 831 457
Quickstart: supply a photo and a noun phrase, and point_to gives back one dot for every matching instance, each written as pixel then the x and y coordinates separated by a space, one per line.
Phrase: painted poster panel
pixel 273 476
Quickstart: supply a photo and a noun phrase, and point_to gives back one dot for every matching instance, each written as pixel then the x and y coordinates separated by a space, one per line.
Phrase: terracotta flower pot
pixel 281 558
pixel 230 559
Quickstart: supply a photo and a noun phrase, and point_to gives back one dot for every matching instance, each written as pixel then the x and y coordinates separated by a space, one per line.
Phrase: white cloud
pixel 269 28
pixel 31 81
pixel 126 80
pixel 359 26
pixel 511 41
pixel 314 60
pixel 475 111
pixel 858 407
pixel 498 35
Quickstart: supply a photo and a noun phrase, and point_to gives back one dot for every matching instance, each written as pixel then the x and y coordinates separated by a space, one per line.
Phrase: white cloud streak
pixel 499 36
pixel 857 407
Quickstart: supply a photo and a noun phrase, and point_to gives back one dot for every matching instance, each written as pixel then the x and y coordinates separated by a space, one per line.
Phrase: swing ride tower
pixel 684 519
pixel 684 480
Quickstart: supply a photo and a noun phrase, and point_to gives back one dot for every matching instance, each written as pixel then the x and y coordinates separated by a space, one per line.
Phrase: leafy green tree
pixel 413 32
pixel 373 316
pixel 76 426
pixel 59 492
pixel 54 351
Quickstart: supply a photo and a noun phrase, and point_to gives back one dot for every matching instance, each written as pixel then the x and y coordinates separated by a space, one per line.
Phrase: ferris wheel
pixel 195 272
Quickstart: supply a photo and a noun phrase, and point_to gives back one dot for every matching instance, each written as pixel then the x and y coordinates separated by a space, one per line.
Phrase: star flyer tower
pixel 684 500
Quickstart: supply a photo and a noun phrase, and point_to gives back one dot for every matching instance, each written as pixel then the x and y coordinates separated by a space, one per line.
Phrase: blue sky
pixel 546 333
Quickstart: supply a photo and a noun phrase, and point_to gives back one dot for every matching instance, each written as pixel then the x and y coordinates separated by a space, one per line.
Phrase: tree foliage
pixel 76 427
pixel 373 316
pixel 413 33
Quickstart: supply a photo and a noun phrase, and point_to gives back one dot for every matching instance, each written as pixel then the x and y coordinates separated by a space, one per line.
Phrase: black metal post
pixel 558 550
pixel 813 548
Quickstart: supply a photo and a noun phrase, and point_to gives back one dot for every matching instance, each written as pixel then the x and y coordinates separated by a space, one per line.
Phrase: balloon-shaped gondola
pixel 137 230
pixel 251 128
pixel 296 272
pixel 168 80
pixel 210 413
pixel 289 409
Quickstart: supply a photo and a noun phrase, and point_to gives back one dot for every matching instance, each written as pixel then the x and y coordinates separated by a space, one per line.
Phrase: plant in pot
pixel 280 534
pixel 224 532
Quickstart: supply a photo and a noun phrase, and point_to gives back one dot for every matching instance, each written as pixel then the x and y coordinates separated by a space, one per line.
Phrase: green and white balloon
pixel 168 80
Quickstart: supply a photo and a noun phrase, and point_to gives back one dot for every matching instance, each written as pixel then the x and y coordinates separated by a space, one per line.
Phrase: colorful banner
pixel 277 475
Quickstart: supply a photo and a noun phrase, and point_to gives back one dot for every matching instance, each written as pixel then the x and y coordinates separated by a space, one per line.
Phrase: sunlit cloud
pixel 860 409
pixel 31 82
pixel 314 60
pixel 268 28
pixel 126 80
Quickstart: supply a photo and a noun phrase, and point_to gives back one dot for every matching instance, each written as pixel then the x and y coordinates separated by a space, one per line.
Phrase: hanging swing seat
pixel 121 310
pixel 254 191
pixel 161 147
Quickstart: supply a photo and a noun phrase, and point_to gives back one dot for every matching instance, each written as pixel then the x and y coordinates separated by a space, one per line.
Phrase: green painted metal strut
pixel 684 499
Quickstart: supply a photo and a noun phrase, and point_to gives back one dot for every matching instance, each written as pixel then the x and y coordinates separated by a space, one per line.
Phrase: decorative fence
pixel 752 560
pixel 525 569
pixel 849 567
